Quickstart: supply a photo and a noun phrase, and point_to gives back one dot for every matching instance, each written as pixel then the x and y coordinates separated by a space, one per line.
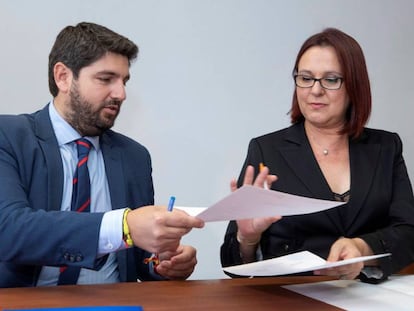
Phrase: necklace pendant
pixel 325 152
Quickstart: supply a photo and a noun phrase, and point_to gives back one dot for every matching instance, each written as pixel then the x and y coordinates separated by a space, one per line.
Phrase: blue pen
pixel 171 204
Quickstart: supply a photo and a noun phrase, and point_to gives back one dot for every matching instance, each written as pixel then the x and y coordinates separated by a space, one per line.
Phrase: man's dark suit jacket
pixel 380 209
pixel 33 232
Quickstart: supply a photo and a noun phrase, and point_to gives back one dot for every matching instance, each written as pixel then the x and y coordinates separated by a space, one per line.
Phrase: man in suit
pixel 40 235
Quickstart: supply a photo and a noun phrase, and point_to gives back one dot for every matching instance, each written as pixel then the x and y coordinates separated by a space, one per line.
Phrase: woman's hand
pixel 250 230
pixel 345 248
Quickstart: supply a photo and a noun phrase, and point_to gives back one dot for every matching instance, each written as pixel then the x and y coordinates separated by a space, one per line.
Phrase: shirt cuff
pixel 110 234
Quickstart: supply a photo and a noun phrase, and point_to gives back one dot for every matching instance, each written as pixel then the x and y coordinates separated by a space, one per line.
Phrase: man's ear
pixel 63 77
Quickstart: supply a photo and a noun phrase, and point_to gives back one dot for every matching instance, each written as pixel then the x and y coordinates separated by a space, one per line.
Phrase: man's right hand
pixel 157 230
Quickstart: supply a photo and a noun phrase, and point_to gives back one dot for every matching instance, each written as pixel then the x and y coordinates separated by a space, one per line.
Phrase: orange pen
pixel 261 167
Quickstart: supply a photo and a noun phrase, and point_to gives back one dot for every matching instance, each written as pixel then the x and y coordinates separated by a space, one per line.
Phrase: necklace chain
pixel 326 151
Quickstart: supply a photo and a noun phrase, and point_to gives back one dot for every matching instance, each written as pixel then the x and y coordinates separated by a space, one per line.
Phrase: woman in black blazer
pixel 327 153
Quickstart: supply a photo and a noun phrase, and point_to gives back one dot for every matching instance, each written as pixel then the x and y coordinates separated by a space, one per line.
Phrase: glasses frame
pixel 341 80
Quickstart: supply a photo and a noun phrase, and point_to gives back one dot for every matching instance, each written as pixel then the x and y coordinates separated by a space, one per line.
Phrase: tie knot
pixel 84 146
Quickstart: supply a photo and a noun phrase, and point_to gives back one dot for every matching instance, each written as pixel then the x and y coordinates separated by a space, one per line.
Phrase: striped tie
pixel 81 195
pixel 81 201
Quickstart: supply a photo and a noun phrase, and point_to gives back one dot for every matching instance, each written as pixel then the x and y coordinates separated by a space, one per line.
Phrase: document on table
pixel 293 263
pixel 252 202
pixel 397 293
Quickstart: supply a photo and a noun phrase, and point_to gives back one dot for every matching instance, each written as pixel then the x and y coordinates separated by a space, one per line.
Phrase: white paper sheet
pixel 193 211
pixel 396 294
pixel 293 263
pixel 252 202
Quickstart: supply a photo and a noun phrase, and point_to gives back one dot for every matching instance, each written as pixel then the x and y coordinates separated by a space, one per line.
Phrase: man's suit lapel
pixel 49 145
pixel 116 182
pixel 114 171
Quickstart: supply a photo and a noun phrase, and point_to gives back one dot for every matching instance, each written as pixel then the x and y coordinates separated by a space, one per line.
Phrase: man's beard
pixel 86 119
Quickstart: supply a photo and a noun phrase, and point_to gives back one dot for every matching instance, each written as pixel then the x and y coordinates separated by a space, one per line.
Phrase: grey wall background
pixel 210 76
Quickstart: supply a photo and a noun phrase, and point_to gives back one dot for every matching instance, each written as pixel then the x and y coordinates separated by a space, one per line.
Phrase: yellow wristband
pixel 125 229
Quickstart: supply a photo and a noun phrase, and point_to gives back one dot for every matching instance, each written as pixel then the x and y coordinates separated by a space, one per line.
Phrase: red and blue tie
pixel 81 201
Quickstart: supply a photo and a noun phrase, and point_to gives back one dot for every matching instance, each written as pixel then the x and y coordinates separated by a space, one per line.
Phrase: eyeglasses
pixel 329 83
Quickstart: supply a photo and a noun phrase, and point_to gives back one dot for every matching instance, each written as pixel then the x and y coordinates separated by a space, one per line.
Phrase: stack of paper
pixel 293 263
